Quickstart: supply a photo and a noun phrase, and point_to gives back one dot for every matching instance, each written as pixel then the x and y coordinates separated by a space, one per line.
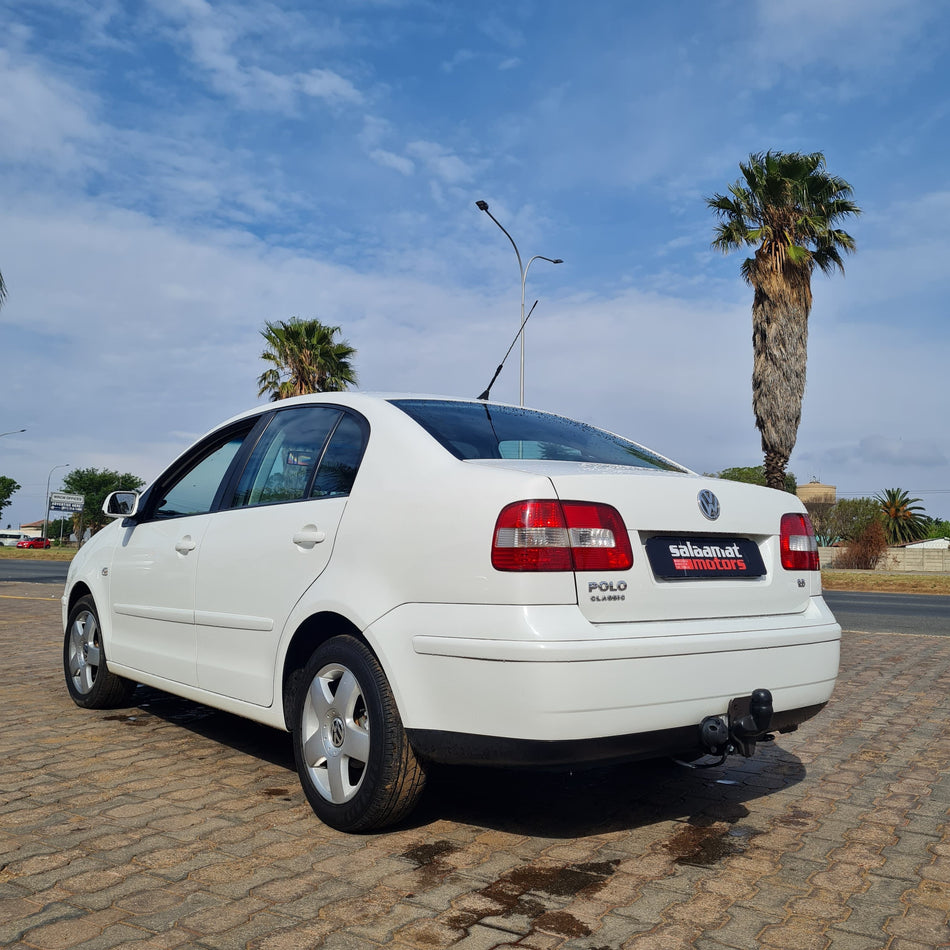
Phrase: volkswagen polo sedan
pixel 400 580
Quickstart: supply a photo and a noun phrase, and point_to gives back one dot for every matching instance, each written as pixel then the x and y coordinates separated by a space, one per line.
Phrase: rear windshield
pixel 478 430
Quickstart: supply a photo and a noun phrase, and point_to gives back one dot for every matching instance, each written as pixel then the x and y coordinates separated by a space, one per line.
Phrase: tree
pixel 305 359
pixel 786 206
pixel 755 475
pixel 846 520
pixel 59 528
pixel 95 484
pixel 7 488
pixel 821 515
pixel 853 515
pixel 901 516
pixel 937 528
pixel 864 552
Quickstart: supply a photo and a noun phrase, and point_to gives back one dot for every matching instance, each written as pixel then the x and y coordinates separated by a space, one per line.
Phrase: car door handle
pixel 185 544
pixel 309 535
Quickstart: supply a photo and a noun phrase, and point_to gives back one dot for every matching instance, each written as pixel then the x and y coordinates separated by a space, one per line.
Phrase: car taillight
pixel 552 535
pixel 798 544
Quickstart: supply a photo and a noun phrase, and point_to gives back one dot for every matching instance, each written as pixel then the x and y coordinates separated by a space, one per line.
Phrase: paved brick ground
pixel 170 825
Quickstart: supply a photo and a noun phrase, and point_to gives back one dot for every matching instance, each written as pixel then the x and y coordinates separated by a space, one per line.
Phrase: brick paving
pixel 170 825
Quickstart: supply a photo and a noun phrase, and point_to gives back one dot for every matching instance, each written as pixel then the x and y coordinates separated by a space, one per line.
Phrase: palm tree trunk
pixel 780 346
pixel 775 465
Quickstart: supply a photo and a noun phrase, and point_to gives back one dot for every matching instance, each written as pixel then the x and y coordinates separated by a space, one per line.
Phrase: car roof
pixel 358 400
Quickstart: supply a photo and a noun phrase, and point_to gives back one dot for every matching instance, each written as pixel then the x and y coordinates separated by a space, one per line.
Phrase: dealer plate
pixel 706 557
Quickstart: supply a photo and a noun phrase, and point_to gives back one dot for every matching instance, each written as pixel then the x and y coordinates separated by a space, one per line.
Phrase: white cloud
pixel 325 84
pixel 878 449
pixel 375 131
pixel 43 120
pixel 853 35
pixel 441 162
pixel 460 57
pixel 220 41
pixel 502 31
pixel 400 163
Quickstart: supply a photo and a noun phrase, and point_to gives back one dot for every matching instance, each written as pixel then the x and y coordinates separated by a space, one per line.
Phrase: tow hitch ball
pixel 747 722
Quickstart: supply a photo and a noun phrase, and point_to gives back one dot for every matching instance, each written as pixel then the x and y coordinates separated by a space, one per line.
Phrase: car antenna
pixel 485 394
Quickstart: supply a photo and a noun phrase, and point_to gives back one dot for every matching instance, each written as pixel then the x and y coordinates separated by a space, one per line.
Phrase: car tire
pixel 88 679
pixel 356 765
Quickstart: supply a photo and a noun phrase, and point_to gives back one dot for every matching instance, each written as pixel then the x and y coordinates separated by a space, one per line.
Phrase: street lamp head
pixel 557 260
pixel 481 205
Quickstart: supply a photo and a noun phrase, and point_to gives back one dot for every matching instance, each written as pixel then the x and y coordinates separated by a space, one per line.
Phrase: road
pixel 891 613
pixel 32 571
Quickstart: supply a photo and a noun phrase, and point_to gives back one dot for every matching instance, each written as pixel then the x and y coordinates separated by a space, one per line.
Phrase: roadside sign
pixel 61 501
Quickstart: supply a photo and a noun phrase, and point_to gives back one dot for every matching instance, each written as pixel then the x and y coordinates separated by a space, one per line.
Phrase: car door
pixel 154 567
pixel 260 554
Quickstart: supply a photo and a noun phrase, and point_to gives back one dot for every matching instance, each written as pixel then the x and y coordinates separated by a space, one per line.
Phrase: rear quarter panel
pixel 418 528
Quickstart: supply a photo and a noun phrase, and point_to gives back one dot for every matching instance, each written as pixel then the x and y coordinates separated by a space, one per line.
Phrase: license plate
pixel 704 557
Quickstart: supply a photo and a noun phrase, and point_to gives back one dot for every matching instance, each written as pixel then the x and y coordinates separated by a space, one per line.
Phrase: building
pixel 815 493
pixel 936 544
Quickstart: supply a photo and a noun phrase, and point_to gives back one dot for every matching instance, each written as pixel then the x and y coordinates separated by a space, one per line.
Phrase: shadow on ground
pixel 552 804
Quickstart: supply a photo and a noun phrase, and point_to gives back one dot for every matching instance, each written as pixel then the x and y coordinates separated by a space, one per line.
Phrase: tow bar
pixel 747 722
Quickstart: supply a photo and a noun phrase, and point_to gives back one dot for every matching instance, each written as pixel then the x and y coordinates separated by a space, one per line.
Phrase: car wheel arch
pixel 79 590
pixel 311 634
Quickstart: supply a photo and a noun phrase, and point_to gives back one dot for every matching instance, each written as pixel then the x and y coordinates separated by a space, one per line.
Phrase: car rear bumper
pixel 452 748
pixel 546 675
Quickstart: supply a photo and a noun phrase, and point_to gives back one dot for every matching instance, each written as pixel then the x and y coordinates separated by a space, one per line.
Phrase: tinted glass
pixel 477 430
pixel 286 457
pixel 341 460
pixel 193 493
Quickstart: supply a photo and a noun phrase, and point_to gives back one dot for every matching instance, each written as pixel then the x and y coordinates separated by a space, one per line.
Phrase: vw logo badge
pixel 337 732
pixel 708 504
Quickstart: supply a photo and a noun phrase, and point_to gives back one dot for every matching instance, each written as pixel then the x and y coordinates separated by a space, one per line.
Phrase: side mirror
pixel 121 504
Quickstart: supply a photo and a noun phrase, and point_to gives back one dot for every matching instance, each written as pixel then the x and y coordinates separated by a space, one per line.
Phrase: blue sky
pixel 174 173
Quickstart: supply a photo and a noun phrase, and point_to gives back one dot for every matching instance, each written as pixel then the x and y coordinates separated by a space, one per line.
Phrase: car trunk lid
pixel 702 547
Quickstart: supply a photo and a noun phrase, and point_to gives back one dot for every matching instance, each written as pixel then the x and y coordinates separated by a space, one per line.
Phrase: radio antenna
pixel 485 394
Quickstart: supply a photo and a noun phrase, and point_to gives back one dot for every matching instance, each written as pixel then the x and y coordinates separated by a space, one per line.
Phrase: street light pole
pixel 523 269
pixel 48 477
pixel 12 432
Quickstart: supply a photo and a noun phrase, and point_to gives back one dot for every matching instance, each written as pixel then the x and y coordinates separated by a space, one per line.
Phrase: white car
pixel 10 539
pixel 400 580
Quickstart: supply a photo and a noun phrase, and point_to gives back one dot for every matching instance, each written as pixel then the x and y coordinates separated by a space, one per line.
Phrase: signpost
pixel 61 501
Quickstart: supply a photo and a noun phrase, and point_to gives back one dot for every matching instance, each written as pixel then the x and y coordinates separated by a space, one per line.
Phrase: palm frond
pixel 306 358
pixel 902 516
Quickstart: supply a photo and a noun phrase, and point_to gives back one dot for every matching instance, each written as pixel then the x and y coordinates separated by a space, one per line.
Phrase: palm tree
pixel 305 359
pixel 902 522
pixel 786 206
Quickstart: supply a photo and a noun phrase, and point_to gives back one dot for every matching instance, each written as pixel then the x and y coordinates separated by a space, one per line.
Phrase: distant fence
pixel 900 560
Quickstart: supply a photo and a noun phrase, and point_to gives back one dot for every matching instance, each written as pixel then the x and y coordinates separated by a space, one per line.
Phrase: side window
pixel 341 460
pixel 193 493
pixel 283 462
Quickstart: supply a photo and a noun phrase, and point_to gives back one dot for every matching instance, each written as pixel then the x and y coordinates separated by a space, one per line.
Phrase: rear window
pixel 478 430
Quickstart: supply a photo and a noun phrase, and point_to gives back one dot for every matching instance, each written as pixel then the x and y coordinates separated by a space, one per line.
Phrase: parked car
pixel 33 543
pixel 402 580
pixel 9 538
